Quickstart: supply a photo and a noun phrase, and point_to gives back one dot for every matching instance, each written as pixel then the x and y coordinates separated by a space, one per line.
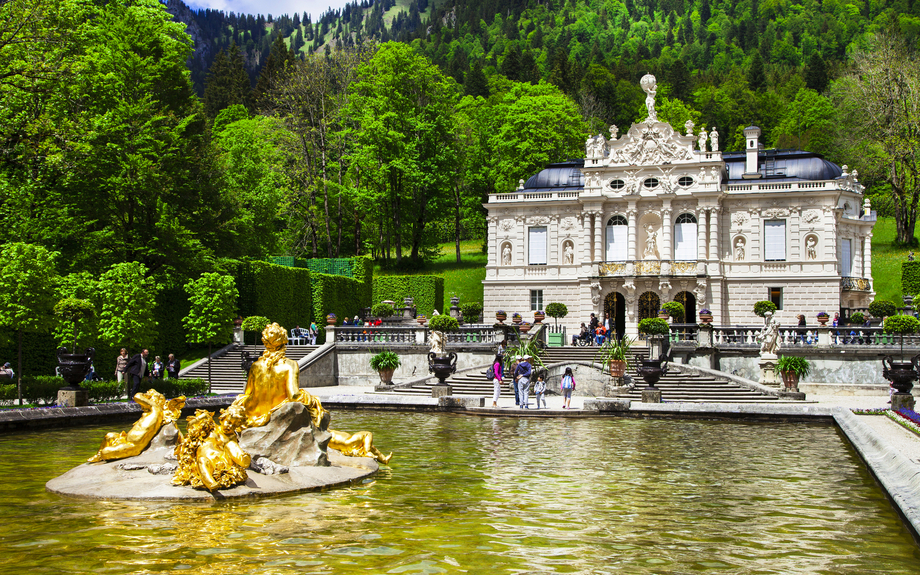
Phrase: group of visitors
pixel 593 333
pixel 305 334
pixel 521 373
pixel 136 368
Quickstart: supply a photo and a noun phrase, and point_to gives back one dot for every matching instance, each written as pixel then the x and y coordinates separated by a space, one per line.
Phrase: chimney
pixel 751 135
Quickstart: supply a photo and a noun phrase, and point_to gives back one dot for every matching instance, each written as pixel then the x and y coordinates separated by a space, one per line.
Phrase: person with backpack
pixel 495 373
pixel 567 386
pixel 523 372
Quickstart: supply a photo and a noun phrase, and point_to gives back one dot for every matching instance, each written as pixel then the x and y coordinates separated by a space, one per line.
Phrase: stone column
pixel 330 334
pixel 586 238
pixel 553 247
pixel 494 248
pixel 867 256
pixel 631 233
pixel 520 256
pixel 714 215
pixel 700 234
pixel 598 238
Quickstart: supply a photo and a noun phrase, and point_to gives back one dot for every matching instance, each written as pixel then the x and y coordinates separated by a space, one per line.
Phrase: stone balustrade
pixel 408 335
pixel 790 336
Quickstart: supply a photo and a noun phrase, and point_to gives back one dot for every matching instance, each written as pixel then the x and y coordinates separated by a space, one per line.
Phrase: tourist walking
pixel 539 389
pixel 514 379
pixel 121 364
pixel 497 374
pixel 173 367
pixel 567 387
pixel 524 371
pixel 136 369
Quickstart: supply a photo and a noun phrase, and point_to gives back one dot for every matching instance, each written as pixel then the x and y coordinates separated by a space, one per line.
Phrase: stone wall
pixel 353 362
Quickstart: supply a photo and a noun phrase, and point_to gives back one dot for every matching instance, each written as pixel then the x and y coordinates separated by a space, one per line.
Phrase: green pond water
pixel 490 495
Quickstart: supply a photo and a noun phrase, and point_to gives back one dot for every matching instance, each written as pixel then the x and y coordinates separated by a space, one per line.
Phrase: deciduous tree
pixel 213 306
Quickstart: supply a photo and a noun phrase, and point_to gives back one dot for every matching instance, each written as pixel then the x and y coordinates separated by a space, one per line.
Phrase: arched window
pixel 685 239
pixel 616 239
pixel 649 303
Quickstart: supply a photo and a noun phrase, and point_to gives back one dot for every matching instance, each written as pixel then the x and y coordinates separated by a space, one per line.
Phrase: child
pixel 567 386
pixel 539 388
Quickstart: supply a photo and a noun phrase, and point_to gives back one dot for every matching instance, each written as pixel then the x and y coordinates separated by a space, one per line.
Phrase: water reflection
pixel 487 495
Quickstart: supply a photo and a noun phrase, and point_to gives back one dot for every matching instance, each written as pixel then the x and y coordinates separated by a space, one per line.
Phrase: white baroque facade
pixel 654 215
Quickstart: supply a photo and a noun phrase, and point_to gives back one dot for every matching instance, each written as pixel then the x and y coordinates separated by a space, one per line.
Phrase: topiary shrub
pixel 902 324
pixel 654 326
pixel 556 310
pixel 252 328
pixel 675 309
pixel 882 308
pixel 857 318
pixel 382 310
pixel 443 323
pixel 471 311
pixel 762 307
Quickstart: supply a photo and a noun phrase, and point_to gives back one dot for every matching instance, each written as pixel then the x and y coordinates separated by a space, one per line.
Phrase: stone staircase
pixel 675 387
pixel 227 375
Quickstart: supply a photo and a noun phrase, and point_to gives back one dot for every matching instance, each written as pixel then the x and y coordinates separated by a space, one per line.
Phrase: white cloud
pixel 273 7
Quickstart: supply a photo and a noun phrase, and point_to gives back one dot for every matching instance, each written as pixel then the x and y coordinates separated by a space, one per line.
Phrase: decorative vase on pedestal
pixel 74 366
pixel 538 316
pixel 705 318
pixel 663 315
pixel 525 327
pixel 501 316
pixel 823 319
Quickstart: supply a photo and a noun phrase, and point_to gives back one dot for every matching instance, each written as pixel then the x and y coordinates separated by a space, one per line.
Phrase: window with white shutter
pixel 774 240
pixel 617 228
pixel 685 239
pixel 537 246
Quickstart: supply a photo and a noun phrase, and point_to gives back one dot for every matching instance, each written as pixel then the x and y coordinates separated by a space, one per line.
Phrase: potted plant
pixel 385 363
pixel 74 366
pixel 764 306
pixel 421 319
pixel 823 317
pixel 331 319
pixel 525 327
pixel 252 328
pixel 663 314
pixel 556 310
pixel 539 316
pixel 615 353
pixel 792 368
pixel 705 316
pixel 516 318
pixel 857 318
pixel 501 316
pixel 674 309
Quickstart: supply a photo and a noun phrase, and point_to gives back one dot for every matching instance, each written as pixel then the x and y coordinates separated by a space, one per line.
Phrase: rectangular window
pixel 536 299
pixel 685 241
pixel 776 296
pixel 537 246
pixel 774 240
pixel 846 258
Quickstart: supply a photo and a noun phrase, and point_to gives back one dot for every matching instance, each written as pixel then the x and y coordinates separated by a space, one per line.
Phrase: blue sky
pixel 274 7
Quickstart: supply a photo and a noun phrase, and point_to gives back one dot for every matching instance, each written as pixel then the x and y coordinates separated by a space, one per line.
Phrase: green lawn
pixel 463 279
pixel 886 261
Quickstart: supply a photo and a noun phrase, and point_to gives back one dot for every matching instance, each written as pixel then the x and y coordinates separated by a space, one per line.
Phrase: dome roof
pixel 556 176
pixel 785 164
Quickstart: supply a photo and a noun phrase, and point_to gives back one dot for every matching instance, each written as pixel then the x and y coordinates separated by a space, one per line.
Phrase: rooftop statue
pixel 157 413
pixel 274 380
pixel 649 84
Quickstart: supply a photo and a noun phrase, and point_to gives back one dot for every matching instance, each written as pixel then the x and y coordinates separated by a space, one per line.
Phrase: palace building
pixel 654 215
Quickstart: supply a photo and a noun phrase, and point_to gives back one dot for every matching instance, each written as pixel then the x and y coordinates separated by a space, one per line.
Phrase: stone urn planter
pixel 538 316
pixel 901 374
pixel 74 366
pixel 663 315
pixel 617 368
pixel 442 365
pixel 525 327
pixel 421 319
pixel 651 371
pixel 823 319
pixel 705 318
pixel 386 376
pixel 790 380
pixel 501 316
pixel 516 319
pixel 331 319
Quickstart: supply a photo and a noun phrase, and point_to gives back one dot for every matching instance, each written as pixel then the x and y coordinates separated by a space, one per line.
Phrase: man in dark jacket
pixel 523 372
pixel 136 369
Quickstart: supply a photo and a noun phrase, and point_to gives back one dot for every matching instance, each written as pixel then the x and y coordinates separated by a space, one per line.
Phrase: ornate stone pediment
pixel 649 144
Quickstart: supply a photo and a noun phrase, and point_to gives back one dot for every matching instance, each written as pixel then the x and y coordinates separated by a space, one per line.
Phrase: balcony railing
pixel 741 336
pixel 409 335
pixel 855 284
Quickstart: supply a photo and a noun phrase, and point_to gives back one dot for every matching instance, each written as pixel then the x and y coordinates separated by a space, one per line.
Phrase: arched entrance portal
pixel 615 311
pixel 649 304
pixel 688 300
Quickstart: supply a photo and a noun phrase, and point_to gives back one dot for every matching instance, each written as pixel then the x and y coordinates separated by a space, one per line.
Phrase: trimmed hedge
pixel 336 294
pixel 910 277
pixel 39 352
pixel 426 290
pixel 363 272
pixel 278 292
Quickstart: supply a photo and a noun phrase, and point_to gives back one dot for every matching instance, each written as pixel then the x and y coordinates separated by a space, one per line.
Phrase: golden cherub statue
pixel 157 413
pixel 273 381
pixel 210 456
pixel 359 444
